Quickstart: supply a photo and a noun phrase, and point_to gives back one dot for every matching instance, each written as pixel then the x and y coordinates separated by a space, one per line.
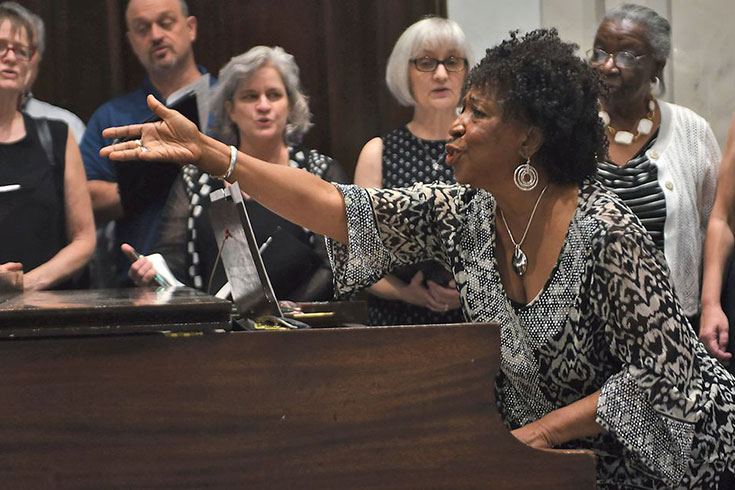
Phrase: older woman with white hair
pixel 663 158
pixel 426 69
pixel 259 107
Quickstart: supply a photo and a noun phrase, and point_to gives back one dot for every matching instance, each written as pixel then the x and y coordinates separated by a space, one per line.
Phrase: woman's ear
pixel 532 143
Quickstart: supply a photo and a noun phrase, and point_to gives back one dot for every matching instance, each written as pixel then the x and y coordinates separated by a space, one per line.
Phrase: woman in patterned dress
pixel 259 106
pixel 663 157
pixel 595 349
pixel 426 70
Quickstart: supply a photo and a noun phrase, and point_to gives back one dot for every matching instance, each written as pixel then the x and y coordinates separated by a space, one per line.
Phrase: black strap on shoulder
pixel 44 136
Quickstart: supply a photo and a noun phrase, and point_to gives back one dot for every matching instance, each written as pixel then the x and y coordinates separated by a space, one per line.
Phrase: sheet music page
pixel 201 88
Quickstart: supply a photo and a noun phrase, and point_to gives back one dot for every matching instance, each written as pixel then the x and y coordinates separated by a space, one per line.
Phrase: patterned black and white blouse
pixel 606 320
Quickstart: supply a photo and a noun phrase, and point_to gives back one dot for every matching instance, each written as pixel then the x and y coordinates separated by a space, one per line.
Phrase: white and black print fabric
pixel 606 319
pixel 201 251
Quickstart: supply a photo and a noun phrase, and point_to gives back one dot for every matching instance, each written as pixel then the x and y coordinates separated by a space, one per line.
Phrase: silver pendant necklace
pixel 520 261
pixel 427 154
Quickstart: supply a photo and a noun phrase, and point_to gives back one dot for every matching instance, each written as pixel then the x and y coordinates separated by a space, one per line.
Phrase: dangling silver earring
pixel 525 176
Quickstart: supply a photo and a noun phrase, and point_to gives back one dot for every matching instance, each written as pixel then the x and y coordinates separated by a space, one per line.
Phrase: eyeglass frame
pixel 14 47
pixel 438 62
pixel 614 56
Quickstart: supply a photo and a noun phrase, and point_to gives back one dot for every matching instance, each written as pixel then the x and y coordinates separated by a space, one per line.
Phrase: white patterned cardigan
pixel 606 319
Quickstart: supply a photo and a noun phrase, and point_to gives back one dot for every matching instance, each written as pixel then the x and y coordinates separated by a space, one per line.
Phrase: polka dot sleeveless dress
pixel 406 161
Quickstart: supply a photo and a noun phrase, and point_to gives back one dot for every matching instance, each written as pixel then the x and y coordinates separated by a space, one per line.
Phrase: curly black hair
pixel 538 80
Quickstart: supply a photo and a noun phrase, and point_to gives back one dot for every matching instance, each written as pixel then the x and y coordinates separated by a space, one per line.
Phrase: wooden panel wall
pixel 341 47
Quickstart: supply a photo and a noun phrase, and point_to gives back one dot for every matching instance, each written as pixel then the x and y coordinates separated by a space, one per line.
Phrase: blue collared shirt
pixel 142 229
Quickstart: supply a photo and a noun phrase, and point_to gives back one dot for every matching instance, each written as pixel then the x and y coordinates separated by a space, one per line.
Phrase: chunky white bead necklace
pixel 644 127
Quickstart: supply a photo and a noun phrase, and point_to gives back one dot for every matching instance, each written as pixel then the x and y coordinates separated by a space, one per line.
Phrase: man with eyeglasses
pixel 161 34
pixel 31 105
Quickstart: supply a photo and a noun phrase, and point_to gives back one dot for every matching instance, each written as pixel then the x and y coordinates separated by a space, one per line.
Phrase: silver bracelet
pixel 233 162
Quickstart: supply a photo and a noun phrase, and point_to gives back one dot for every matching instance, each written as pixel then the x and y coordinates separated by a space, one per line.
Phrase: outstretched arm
pixel 718 247
pixel 295 194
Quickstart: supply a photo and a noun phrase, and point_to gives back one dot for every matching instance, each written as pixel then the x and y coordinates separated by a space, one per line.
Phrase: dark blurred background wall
pixel 341 47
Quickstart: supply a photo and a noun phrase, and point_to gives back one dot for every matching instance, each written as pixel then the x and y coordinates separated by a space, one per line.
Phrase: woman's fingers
pixel 158 108
pixel 127 150
pixel 130 131
pixel 141 272
pixel 448 297
pixel 129 252
pixel 11 267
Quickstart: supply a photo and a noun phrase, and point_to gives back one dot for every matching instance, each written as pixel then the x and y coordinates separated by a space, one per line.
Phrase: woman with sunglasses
pixel 663 158
pixel 45 210
pixel 426 70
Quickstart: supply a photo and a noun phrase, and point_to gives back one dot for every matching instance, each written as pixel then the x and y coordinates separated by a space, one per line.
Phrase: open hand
pixel 173 139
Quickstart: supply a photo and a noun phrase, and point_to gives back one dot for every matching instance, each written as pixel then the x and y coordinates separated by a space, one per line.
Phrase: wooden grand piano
pixel 344 408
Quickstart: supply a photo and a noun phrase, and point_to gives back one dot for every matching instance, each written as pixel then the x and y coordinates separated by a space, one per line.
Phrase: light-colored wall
pixel 487 22
pixel 700 72
pixel 704 60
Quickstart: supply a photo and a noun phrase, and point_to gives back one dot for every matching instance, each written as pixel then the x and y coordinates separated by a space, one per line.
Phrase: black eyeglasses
pixel 22 52
pixel 427 63
pixel 622 59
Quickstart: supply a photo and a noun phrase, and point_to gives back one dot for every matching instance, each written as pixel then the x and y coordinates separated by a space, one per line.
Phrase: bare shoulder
pixel 369 172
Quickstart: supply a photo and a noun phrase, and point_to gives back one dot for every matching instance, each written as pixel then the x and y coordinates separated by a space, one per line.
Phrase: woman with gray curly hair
pixel 259 107
pixel 663 158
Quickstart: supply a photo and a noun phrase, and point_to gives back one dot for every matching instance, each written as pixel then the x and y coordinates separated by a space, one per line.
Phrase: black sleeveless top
pixel 32 218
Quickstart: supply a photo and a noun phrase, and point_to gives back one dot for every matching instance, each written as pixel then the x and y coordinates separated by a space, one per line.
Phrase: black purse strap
pixel 47 143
